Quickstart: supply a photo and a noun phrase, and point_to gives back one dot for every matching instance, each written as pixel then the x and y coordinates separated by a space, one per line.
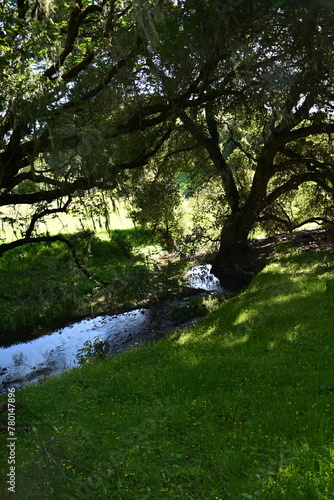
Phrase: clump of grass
pixel 239 405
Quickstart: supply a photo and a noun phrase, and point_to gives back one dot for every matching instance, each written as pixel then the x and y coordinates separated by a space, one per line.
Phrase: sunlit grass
pixel 64 223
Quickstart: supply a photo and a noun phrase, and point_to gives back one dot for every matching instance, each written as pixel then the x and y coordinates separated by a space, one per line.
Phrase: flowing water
pixel 25 363
pixel 201 277
pixel 30 361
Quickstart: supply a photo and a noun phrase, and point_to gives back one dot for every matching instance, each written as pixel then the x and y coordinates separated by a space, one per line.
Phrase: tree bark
pixel 231 264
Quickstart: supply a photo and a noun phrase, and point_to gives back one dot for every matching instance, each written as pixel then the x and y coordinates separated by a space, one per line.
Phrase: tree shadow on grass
pixel 264 361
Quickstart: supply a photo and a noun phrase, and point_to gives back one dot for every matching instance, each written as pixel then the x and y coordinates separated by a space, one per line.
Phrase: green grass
pixel 238 406
pixel 63 223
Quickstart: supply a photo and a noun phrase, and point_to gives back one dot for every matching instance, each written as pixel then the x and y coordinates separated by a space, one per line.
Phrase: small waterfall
pixel 201 277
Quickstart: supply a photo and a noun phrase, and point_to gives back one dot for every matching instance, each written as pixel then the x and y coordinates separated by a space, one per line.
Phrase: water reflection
pixel 28 362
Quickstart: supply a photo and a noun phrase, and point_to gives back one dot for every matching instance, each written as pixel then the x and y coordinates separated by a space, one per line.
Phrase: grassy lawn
pixel 62 223
pixel 238 406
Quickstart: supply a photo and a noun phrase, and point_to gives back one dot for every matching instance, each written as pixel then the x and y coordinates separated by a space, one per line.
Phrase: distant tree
pixel 155 204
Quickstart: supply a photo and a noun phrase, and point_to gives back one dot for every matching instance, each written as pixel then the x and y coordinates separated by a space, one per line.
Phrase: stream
pixel 26 363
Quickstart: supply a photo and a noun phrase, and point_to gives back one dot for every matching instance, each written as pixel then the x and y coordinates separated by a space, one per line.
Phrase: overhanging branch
pixel 5 247
pixel 293 183
pixel 297 158
pixel 76 20
pixel 293 135
pixel 314 220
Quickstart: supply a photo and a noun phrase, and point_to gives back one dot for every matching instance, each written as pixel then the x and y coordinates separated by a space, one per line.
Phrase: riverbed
pixel 26 363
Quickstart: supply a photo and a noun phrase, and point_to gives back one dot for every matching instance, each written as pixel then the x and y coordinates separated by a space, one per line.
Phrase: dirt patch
pixel 261 250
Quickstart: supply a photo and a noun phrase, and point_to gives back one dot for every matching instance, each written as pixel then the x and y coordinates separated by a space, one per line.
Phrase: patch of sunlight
pixel 274 268
pixel 229 339
pixel 309 227
pixel 196 336
pixel 271 345
pixel 281 268
pixel 120 219
pixel 258 234
pixel 264 308
pixel 245 316
pixel 293 268
pixel 103 235
pixel 64 223
pixel 293 334
pixel 232 340
pixel 185 337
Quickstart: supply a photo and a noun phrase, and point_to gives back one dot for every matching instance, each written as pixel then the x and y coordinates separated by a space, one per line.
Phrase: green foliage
pixel 156 204
pixel 236 406
pixel 208 213
pixel 40 287
pixel 92 351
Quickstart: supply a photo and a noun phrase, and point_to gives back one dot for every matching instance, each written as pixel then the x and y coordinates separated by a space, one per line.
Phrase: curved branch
pixel 266 169
pixel 300 159
pixel 44 213
pixel 31 176
pixel 65 189
pixel 293 183
pixel 315 220
pixel 292 227
pixel 293 135
pixel 5 247
pixel 143 159
pixel 79 67
pixel 76 19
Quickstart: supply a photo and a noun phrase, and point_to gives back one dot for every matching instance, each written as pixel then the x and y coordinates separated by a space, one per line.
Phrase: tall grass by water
pixel 238 406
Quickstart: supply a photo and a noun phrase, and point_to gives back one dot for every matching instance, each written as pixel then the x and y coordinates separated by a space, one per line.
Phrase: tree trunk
pixel 231 265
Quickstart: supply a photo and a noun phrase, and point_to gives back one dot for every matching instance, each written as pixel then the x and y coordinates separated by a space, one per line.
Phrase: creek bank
pixel 238 276
pixel 29 362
